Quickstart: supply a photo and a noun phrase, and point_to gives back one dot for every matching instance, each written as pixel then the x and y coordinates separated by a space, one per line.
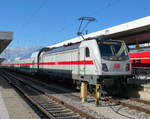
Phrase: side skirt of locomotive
pixel 108 82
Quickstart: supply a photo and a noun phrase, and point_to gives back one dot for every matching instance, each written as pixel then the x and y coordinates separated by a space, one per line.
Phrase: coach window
pixel 87 52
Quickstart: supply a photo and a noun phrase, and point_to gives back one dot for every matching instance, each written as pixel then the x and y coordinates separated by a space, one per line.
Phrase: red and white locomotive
pixel 94 60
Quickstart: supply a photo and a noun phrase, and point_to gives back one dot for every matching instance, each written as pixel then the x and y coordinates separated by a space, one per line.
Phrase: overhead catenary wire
pixel 108 5
pixel 29 19
pixel 93 13
pixel 62 29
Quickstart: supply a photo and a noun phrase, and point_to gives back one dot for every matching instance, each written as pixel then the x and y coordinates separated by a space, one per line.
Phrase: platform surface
pixel 3 111
pixel 12 106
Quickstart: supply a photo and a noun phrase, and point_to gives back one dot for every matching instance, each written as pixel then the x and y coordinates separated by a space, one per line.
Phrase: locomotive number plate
pixel 116 66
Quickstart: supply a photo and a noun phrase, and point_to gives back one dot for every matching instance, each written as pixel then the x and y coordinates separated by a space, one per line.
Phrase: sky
pixel 37 23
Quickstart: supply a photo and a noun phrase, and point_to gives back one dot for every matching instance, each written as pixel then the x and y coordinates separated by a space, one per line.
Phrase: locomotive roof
pixel 63 48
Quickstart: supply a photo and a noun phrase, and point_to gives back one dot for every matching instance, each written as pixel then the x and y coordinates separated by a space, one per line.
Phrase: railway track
pixel 53 87
pixel 140 101
pixel 132 104
pixel 49 105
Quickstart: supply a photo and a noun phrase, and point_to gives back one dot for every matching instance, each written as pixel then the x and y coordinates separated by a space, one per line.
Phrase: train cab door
pixel 84 56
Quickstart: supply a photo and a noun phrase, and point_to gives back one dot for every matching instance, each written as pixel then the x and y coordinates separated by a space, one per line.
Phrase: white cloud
pixel 11 53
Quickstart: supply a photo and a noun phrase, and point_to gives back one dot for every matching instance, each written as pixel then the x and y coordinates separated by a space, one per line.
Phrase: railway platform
pixel 3 111
pixel 145 93
pixel 12 106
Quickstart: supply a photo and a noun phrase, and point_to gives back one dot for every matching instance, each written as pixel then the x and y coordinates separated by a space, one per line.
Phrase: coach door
pixel 33 66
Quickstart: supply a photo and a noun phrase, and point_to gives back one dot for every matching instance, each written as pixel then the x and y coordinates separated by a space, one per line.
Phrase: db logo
pixel 116 66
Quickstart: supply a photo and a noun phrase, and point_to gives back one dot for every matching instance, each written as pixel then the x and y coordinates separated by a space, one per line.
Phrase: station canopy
pixel 5 39
pixel 137 31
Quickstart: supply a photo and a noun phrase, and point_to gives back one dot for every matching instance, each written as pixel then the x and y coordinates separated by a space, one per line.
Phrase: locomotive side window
pixel 87 52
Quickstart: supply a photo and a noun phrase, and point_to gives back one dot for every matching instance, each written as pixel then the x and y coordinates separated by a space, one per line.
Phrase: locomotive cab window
pixel 87 52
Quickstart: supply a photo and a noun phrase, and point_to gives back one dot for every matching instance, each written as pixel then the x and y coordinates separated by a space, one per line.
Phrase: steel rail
pixel 74 109
pixel 130 106
pixel 36 104
pixel 40 83
pixel 30 99
pixel 139 100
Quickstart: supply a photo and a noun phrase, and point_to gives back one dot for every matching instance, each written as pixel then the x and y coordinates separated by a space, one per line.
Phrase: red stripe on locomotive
pixel 88 62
